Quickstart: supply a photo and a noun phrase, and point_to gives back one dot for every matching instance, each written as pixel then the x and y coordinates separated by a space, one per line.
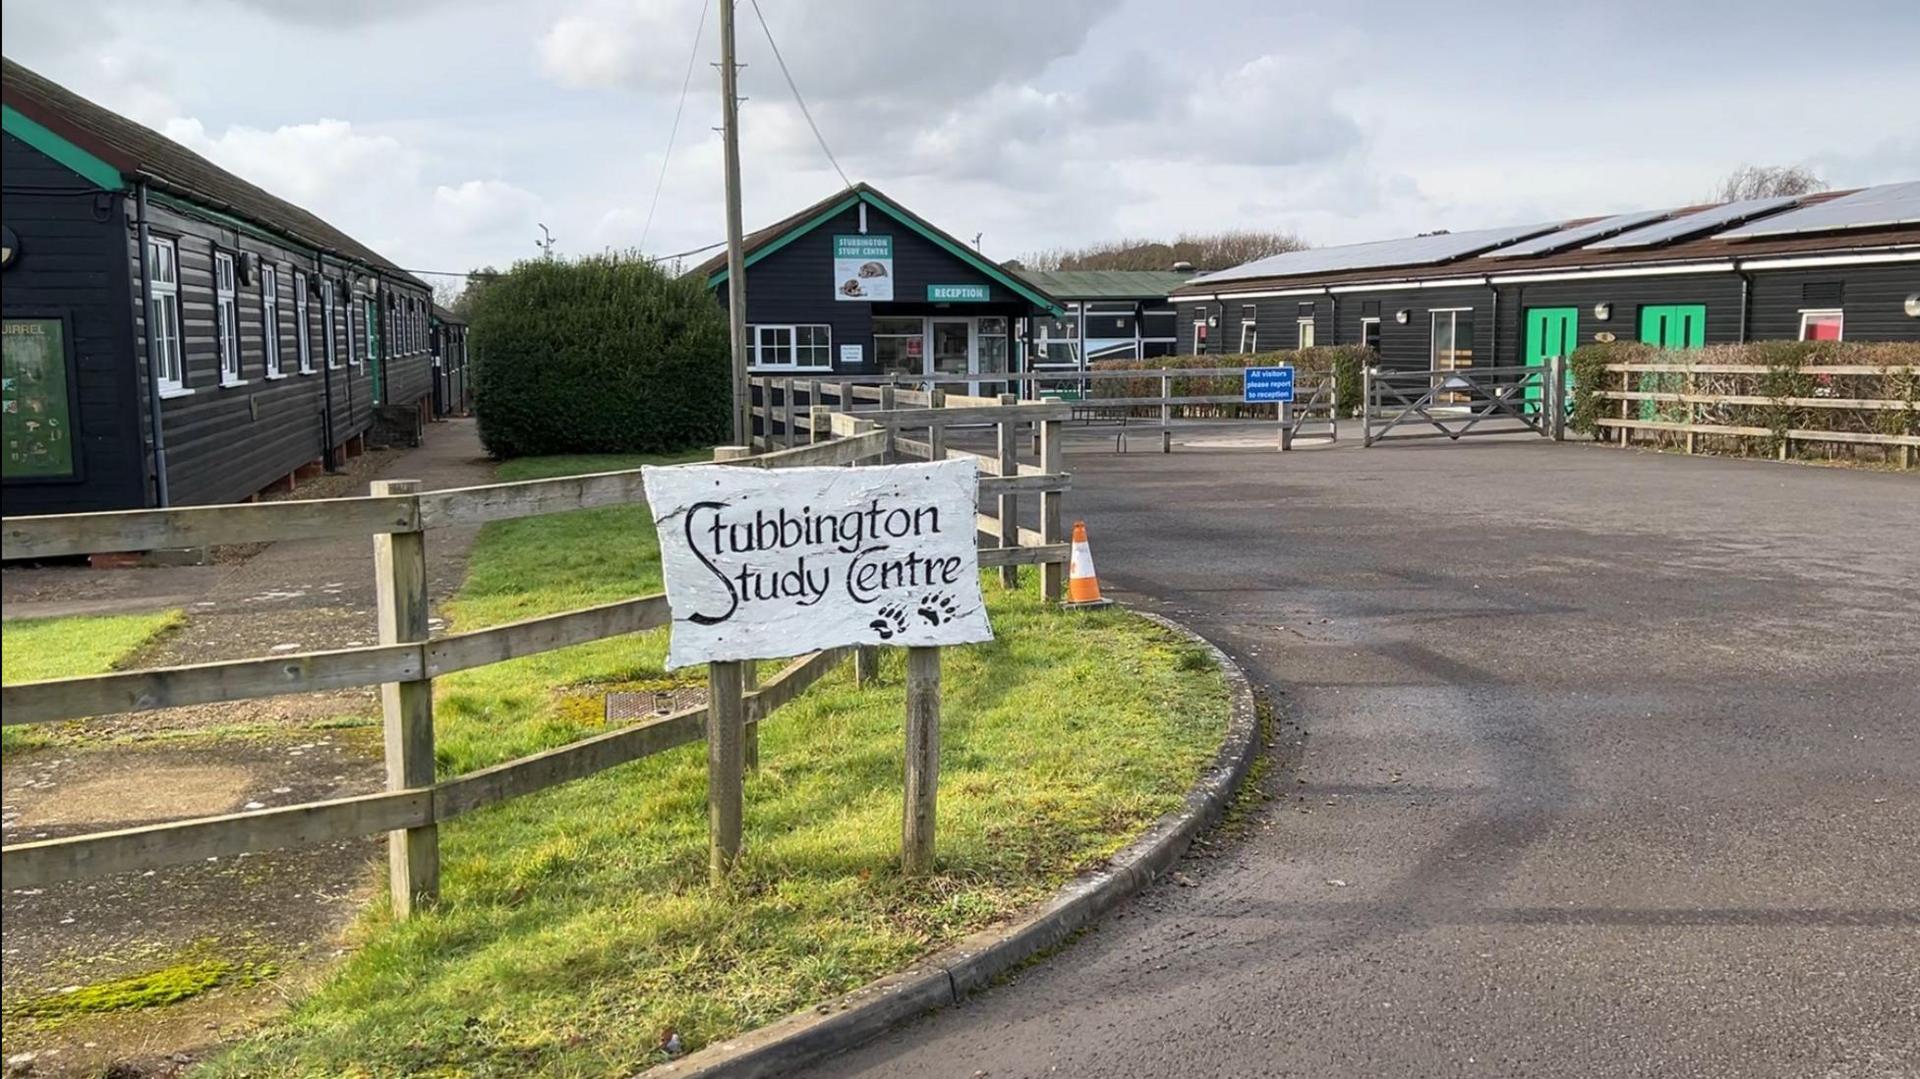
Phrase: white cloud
pixel 482 206
pixel 303 163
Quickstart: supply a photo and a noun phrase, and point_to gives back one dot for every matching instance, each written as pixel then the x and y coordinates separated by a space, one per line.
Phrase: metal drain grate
pixel 629 707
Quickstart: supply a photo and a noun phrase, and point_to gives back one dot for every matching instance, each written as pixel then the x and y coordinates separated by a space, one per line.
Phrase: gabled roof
pixel 766 241
pixel 112 151
pixel 441 314
pixel 1106 284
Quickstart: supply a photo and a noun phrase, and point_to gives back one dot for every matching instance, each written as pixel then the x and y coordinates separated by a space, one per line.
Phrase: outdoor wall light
pixel 1603 311
pixel 1401 316
pixel 1913 305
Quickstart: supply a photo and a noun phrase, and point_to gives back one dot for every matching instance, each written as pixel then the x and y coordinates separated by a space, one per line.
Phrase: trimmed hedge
pixel 1344 362
pixel 604 354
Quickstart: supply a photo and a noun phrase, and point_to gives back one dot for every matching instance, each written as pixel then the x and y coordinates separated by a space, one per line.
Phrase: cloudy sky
pixel 441 131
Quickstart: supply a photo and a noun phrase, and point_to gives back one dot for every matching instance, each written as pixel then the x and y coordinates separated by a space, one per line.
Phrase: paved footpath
pixel 1610 767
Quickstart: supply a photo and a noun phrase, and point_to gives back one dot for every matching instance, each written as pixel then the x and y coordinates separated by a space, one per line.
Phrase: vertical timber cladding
pixel 67 263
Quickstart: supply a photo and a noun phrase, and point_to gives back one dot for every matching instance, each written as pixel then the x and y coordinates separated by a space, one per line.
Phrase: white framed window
pixel 226 309
pixel 270 318
pixel 353 347
pixel 302 326
pixel 803 346
pixel 1453 339
pixel 1822 324
pixel 328 343
pixel 899 345
pixel 1370 333
pixel 1305 327
pixel 1249 328
pixel 163 314
pixel 372 339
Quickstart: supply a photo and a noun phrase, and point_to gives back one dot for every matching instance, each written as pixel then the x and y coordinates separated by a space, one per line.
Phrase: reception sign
pixel 863 268
pixel 764 564
pixel 958 294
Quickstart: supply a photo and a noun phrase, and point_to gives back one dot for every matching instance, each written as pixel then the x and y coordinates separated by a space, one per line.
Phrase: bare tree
pixel 1205 251
pixel 1764 181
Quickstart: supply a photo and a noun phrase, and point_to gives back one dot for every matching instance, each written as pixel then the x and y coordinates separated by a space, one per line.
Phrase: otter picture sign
pixel 764 564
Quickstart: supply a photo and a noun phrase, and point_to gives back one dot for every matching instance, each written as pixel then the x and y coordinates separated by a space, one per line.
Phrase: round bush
pixel 605 354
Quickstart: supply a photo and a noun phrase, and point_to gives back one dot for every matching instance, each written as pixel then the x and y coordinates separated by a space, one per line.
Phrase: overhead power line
pixel 802 102
pixel 674 131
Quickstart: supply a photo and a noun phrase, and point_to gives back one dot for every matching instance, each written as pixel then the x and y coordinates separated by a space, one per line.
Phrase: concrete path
pixel 1608 765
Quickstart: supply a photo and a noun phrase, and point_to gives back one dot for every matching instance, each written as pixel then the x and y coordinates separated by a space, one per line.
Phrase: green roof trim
pixel 789 236
pixel 1106 284
pixel 973 258
pixel 40 137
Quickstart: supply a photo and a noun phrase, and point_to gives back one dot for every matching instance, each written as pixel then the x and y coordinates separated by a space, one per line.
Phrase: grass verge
pixel 32 649
pixel 577 930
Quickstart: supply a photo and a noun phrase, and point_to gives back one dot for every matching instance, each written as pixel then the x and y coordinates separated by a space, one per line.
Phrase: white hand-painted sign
pixel 763 564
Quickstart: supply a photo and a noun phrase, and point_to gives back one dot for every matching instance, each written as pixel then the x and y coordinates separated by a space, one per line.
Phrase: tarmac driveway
pixel 1607 764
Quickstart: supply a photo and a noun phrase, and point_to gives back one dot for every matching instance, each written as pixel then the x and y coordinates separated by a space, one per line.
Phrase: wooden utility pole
pixel 736 256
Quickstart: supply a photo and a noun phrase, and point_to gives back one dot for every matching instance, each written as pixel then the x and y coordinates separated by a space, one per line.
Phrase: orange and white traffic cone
pixel 1083 585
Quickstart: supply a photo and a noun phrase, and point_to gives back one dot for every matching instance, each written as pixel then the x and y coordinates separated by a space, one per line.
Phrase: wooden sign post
pixel 762 564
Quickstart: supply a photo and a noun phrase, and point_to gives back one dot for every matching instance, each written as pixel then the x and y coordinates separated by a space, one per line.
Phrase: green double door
pixel 1551 331
pixel 1674 325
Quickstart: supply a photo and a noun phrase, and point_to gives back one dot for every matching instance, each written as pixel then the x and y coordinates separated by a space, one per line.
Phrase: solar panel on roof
pixel 1874 207
pixel 1693 224
pixel 1574 237
pixel 1411 251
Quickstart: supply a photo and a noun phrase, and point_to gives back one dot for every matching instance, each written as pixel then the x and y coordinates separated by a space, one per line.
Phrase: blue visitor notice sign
pixel 1269 385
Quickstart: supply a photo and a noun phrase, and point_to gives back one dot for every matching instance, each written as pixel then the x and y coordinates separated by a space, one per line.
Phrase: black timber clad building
pixel 858 285
pixel 1728 276
pixel 277 340
pixel 1110 315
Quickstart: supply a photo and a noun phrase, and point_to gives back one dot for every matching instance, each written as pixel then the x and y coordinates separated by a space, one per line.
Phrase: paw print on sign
pixel 892 621
pixel 938 607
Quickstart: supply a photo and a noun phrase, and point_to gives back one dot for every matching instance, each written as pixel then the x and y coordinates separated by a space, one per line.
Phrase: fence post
pixel 793 413
pixel 846 395
pixel 819 423
pixel 923 760
pixel 1366 406
pixel 1009 506
pixel 1557 400
pixel 887 404
pixel 1052 460
pixel 936 431
pixel 749 674
pixel 1166 413
pixel 1690 411
pixel 1285 412
pixel 1626 386
pixel 726 767
pixel 400 586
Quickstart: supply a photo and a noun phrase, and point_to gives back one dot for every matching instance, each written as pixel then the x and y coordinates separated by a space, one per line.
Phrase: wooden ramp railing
pixel 406 660
pixel 783 405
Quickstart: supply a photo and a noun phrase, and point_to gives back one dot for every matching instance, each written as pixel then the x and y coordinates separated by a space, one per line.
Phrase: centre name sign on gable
pixel 863 268
pixel 764 564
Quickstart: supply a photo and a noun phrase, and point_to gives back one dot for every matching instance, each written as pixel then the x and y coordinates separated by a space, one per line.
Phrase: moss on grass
pixel 149 989
pixel 577 928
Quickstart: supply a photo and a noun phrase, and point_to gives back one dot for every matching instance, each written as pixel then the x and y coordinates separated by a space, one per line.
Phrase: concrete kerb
pixel 947 977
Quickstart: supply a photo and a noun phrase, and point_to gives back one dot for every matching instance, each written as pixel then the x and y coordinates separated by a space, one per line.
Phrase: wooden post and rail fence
pixel 783 405
pixel 1677 385
pixel 406 660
